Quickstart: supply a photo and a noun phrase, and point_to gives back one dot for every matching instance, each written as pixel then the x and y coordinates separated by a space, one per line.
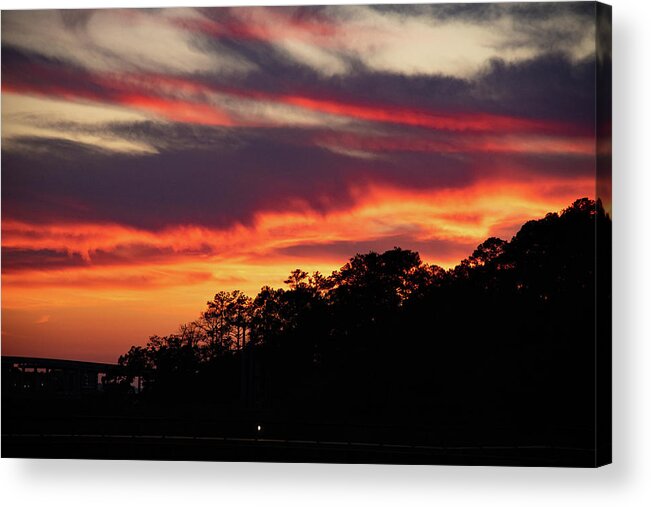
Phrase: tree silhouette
pixel 504 338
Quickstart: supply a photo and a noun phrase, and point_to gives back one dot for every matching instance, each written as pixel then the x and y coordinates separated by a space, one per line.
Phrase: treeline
pixel 507 336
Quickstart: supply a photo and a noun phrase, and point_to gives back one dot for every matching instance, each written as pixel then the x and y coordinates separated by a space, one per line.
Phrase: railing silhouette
pixel 34 376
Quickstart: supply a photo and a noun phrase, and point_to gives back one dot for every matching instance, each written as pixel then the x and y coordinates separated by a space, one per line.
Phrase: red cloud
pixel 184 100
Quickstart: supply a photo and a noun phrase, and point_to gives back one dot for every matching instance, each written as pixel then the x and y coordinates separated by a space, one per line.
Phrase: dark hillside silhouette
pixel 499 350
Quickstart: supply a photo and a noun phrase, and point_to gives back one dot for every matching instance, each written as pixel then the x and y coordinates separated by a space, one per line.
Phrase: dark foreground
pixel 259 436
pixel 185 448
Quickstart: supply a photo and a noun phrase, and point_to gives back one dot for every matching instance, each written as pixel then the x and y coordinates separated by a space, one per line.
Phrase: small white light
pixel 259 428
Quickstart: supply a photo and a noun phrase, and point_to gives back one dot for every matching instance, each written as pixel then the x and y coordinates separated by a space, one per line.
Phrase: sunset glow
pixel 152 158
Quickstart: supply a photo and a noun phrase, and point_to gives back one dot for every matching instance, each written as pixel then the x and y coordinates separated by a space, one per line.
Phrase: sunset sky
pixel 153 157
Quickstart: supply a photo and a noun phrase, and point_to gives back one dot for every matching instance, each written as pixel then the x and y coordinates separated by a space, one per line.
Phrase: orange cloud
pixel 467 214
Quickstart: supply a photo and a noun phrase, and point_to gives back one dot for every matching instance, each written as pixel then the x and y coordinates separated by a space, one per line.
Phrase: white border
pixel 627 482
